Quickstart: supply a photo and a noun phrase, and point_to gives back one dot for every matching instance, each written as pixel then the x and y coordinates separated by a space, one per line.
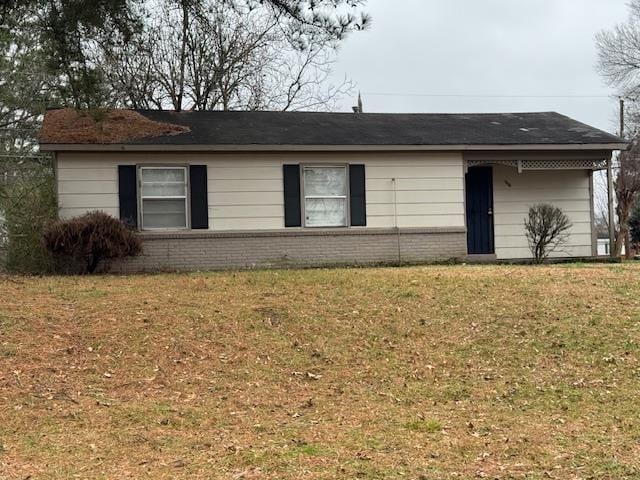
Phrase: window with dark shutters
pixel 164 197
pixel 325 196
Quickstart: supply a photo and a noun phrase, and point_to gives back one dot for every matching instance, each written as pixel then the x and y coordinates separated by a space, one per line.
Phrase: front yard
pixel 409 373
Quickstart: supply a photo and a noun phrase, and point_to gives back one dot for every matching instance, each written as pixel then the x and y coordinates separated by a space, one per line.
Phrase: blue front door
pixel 479 199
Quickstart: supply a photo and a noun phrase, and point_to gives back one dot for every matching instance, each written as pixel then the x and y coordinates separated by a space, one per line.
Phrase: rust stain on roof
pixel 102 126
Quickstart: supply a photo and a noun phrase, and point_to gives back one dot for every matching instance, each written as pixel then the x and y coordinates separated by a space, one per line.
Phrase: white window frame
pixel 347 201
pixel 142 197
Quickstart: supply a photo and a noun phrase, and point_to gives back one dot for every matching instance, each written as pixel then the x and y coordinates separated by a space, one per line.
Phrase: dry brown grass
pixel 412 373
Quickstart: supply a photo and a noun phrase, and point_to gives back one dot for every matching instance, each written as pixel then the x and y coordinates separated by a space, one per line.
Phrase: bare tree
pixel 220 55
pixel 627 190
pixel 619 63
pixel 619 53
pixel 546 229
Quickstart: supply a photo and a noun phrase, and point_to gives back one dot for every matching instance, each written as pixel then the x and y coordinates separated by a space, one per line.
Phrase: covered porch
pixel 501 186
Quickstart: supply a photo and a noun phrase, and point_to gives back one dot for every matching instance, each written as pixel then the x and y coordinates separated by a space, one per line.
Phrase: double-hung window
pixel 325 196
pixel 163 197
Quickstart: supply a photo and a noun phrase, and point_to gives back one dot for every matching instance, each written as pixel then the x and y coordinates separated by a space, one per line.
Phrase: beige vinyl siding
pixel 514 193
pixel 245 189
pixel 245 194
pixel 415 190
pixel 82 188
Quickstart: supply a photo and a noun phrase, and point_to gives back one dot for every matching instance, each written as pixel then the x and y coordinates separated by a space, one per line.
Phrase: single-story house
pixel 210 190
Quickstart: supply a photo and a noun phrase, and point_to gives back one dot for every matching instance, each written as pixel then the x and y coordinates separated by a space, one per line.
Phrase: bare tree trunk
pixel 617 248
pixel 183 53
pixel 623 210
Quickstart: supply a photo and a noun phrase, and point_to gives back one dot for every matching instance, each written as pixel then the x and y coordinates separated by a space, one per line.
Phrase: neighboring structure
pixel 604 249
pixel 245 189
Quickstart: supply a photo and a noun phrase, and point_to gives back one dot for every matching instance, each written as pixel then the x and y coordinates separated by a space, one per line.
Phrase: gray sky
pixel 483 47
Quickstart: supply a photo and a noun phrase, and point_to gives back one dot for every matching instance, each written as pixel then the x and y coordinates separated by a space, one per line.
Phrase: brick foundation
pixel 209 250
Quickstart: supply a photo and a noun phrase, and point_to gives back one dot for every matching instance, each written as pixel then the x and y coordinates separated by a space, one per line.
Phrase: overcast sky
pixel 487 47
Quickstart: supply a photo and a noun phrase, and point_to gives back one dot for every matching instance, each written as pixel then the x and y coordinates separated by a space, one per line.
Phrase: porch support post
pixel 612 224
pixel 592 208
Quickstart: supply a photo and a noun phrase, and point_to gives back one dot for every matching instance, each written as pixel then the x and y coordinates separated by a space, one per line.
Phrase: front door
pixel 479 197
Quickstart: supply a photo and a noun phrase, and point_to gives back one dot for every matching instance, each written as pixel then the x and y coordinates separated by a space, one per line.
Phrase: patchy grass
pixel 412 373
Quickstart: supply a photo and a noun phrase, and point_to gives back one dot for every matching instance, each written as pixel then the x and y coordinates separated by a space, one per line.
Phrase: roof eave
pixel 62 147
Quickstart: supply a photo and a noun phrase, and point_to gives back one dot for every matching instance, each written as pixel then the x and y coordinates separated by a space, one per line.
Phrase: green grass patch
pixel 428 426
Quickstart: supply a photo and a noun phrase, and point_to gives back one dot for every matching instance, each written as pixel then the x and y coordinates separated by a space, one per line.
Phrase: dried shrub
pixel 546 228
pixel 90 240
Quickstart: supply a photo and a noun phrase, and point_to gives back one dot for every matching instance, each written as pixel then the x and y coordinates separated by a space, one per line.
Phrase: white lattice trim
pixel 545 164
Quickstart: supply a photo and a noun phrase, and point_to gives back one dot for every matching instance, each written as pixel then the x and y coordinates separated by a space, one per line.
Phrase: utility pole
pixel 621 165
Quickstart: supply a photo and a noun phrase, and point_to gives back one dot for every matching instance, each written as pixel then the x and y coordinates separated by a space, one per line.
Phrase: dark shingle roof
pixel 350 129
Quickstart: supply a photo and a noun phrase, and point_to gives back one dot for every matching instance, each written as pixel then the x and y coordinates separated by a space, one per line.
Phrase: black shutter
pixel 292 213
pixel 127 194
pixel 358 196
pixel 199 200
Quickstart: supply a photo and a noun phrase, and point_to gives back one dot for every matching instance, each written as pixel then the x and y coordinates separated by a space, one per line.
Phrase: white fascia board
pixel 55 147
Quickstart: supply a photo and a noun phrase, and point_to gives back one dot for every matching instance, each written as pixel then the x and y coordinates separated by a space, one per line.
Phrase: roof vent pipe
pixel 358 108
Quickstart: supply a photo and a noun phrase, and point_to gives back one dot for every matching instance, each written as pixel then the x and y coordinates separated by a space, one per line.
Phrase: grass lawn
pixel 410 373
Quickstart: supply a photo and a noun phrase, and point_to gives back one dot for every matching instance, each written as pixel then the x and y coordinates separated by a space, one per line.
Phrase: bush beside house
pixel 547 230
pixel 83 244
pixel 27 204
